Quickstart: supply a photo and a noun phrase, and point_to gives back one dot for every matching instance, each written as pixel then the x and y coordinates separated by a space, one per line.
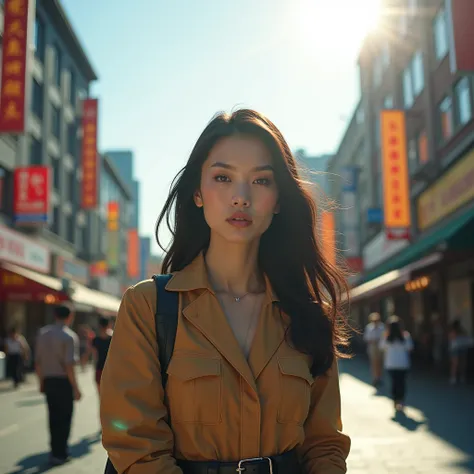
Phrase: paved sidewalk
pixel 436 435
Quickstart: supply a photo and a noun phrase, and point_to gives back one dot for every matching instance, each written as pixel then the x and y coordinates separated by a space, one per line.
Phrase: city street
pixel 434 437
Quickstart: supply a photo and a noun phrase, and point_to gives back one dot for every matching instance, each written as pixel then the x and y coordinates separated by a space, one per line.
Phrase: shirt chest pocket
pixel 194 390
pixel 295 390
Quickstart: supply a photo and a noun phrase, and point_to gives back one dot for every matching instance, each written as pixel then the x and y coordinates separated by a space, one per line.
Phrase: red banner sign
pixel 98 269
pixel 459 19
pixel 89 154
pixel 31 195
pixel 12 88
pixel 133 260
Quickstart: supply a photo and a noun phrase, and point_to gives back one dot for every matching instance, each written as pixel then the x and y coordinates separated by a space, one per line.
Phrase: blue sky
pixel 165 68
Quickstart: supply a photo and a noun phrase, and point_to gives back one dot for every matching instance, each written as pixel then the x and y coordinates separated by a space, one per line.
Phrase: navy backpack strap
pixel 166 322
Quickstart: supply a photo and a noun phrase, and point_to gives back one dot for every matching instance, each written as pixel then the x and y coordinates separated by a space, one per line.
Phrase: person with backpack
pixel 228 362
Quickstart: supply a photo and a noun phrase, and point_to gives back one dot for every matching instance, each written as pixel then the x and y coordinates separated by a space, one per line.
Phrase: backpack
pixel 166 323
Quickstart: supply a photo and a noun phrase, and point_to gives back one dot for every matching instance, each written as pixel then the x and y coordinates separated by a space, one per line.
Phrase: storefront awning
pixel 422 246
pixel 45 280
pixel 392 279
pixel 81 295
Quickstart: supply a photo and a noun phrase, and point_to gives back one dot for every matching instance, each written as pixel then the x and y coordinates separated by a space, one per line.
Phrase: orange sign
pixel 397 217
pixel 98 269
pixel 12 89
pixel 328 236
pixel 133 254
pixel 113 216
pixel 89 154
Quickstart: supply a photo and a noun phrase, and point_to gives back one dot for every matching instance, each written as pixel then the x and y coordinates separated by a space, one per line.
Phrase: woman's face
pixel 238 190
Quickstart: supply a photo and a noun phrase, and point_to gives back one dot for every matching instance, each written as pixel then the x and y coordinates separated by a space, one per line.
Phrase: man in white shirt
pixel 372 335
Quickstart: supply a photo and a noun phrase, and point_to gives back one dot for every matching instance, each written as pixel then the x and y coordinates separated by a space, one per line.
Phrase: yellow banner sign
pixel 453 190
pixel 395 170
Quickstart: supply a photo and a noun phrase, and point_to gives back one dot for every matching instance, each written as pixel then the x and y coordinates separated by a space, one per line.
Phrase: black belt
pixel 286 463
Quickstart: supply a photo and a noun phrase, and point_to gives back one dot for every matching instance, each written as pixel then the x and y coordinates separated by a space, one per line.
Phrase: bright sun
pixel 338 24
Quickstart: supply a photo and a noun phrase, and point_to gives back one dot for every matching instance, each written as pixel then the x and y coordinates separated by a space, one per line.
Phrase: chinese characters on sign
pixel 397 217
pixel 89 154
pixel 12 88
pixel 31 195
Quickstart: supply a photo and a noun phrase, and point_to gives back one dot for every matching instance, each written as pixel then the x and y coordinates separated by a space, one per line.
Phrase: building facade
pixel 427 279
pixel 44 264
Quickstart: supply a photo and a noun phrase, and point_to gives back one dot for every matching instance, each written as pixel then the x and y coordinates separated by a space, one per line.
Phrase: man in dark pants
pixel 57 348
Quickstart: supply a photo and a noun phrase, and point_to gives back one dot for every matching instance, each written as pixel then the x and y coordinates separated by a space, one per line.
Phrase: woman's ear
pixel 198 199
pixel 277 209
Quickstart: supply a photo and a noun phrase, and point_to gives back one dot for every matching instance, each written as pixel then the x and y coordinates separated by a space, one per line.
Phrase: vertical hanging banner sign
pixel 133 257
pixel 396 192
pixel 14 57
pixel 89 154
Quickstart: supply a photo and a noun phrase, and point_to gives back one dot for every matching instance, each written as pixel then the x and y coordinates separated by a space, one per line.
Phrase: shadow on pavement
pixel 30 403
pixel 448 410
pixel 38 463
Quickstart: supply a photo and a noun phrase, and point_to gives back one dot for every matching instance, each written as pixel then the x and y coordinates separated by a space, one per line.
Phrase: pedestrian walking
pixel 57 352
pixel 372 335
pixel 397 345
pixel 18 353
pixel 252 384
pixel 459 345
pixel 100 347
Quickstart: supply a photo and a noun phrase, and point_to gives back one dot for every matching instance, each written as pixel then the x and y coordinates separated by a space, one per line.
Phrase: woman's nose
pixel 241 197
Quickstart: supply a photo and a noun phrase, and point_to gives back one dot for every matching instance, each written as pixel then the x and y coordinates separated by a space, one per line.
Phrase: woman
pixel 254 372
pixel 18 352
pixel 397 345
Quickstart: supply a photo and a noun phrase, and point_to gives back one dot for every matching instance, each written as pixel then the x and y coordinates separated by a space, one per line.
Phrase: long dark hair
pixel 309 288
pixel 395 329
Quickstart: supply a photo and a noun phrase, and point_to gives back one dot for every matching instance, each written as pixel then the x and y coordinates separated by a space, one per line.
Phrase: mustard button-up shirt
pixel 221 405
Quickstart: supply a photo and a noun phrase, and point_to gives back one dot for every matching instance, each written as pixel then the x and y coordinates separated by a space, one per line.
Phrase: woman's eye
pixel 221 178
pixel 263 181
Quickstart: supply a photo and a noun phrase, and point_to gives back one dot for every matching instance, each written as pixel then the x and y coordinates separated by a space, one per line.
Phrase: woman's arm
pixel 325 448
pixel 134 428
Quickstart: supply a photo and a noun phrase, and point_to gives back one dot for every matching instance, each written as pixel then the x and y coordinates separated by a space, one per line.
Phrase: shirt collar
pixel 194 277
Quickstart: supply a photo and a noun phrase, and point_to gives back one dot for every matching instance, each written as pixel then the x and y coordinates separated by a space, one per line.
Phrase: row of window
pixel 413 76
pixel 40 50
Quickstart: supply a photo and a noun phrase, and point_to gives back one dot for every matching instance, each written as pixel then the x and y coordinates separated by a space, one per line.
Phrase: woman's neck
pixel 233 268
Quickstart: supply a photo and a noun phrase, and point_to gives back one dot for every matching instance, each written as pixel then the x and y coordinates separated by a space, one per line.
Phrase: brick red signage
pixel 14 55
pixel 89 154
pixel 31 195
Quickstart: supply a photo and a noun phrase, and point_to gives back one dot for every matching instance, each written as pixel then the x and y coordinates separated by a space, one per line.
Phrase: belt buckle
pixel 240 467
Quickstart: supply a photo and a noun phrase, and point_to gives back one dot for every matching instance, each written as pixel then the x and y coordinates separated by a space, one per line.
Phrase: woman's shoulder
pixel 142 293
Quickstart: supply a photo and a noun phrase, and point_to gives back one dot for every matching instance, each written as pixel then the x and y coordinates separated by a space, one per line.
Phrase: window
pixel 56 71
pixel 6 191
pixel 36 152
pixel 418 73
pixel 377 71
pixel 446 118
pixel 72 186
pixel 408 98
pixel 385 55
pixel 360 115
pixel 388 102
pixel 70 228
pixel 39 39
pixel 440 33
pixel 55 122
pixel 56 174
pixel 463 101
pixel 72 88
pixel 55 224
pixel 37 99
pixel 412 155
pixel 72 140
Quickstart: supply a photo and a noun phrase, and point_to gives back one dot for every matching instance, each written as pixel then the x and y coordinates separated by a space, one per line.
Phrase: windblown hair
pixel 310 289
